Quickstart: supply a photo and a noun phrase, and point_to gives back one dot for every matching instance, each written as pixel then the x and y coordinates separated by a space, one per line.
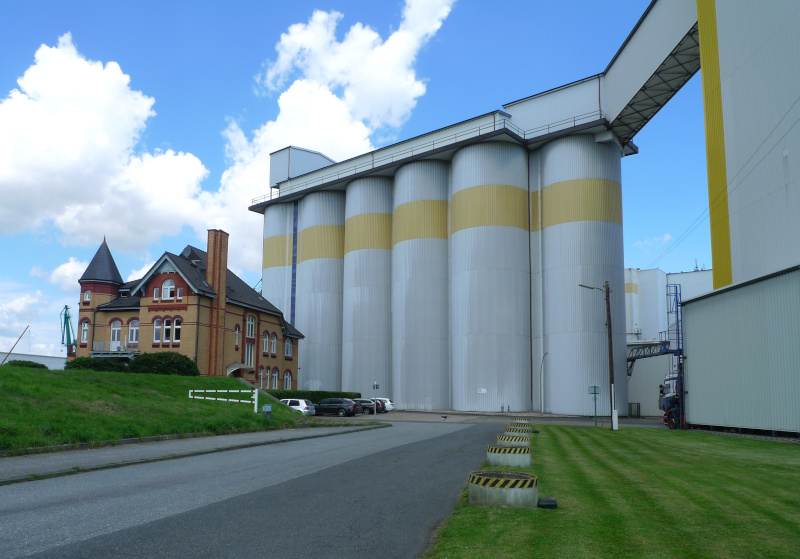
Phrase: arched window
pixel 133 332
pixel 167 329
pixel 156 330
pixel 176 332
pixel 265 349
pixel 84 331
pixel 287 380
pixel 287 348
pixel 236 336
pixel 87 296
pixel 251 327
pixel 274 379
pixel 273 342
pixel 116 332
pixel 168 290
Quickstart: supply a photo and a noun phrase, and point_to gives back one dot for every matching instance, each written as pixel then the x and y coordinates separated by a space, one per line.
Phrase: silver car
pixel 386 402
pixel 303 406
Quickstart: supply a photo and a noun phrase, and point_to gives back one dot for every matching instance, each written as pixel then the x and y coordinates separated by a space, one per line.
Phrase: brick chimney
pixel 217 278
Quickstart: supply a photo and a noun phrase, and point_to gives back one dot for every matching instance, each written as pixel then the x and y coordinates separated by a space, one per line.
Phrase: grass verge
pixel 41 408
pixel 641 493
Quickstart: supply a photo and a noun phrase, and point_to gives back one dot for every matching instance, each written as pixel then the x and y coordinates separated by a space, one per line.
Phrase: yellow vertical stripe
pixel 422 219
pixel 367 231
pixel 715 145
pixel 321 241
pixel 490 205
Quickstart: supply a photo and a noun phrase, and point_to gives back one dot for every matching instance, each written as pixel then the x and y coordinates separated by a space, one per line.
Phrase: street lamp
pixel 607 290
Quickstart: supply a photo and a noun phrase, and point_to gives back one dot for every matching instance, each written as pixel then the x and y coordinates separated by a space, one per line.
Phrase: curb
pixel 80 470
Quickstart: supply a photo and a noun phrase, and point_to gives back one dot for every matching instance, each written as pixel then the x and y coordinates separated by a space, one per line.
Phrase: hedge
pixel 313 395
pixel 98 364
pixel 165 363
pixel 28 364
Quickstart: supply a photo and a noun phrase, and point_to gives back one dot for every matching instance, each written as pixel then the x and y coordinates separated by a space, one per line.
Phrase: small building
pixel 189 303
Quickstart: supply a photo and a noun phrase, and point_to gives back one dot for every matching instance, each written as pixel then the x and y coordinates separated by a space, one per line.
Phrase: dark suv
pixel 369 405
pixel 338 406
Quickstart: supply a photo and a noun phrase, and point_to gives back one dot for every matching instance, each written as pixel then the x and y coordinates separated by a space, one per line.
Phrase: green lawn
pixel 641 493
pixel 40 408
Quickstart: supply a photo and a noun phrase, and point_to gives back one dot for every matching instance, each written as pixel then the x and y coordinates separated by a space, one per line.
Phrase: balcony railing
pixel 113 347
pixel 437 143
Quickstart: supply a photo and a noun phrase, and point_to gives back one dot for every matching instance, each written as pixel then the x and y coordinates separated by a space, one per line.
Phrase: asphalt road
pixel 374 493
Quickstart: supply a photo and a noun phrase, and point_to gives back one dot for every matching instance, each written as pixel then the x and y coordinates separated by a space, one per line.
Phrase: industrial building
pixel 448 267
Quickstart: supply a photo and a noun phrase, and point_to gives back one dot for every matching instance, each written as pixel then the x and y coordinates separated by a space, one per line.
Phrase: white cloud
pixel 66 276
pixel 138 274
pixel 662 240
pixel 17 310
pixel 37 272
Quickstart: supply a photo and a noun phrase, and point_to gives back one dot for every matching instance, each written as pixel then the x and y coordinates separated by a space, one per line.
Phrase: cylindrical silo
pixel 632 328
pixel 367 297
pixel 490 335
pixel 318 300
pixel 276 276
pixel 582 245
pixel 420 341
pixel 538 353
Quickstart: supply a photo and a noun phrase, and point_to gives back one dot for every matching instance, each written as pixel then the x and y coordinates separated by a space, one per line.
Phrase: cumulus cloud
pixel 66 276
pixel 138 274
pixel 17 310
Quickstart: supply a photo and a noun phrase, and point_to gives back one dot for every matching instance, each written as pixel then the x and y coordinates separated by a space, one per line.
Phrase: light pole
pixel 607 290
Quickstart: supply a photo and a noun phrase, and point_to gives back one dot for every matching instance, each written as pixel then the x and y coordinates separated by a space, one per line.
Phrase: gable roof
pixel 102 267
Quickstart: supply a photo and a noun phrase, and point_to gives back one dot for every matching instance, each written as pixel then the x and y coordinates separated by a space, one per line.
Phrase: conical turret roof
pixel 102 267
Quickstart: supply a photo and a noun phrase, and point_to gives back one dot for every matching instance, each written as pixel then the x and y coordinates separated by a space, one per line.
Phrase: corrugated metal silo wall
pixel 320 268
pixel 538 355
pixel 582 244
pixel 490 278
pixel 742 356
pixel 367 295
pixel 420 352
pixel 276 275
pixel 632 327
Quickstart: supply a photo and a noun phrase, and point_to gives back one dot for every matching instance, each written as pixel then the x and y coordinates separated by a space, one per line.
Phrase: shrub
pixel 98 364
pixel 165 363
pixel 29 364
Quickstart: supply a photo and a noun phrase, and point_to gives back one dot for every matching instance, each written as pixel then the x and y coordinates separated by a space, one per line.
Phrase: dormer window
pixel 168 290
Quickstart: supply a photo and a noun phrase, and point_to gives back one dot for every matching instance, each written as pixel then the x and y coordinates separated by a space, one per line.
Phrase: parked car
pixel 369 406
pixel 303 406
pixel 338 406
pixel 386 402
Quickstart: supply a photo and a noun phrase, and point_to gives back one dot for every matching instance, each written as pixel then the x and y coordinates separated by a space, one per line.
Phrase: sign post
pixel 594 390
pixel 375 407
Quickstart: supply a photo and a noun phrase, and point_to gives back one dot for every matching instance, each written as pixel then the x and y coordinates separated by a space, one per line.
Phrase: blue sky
pixel 150 122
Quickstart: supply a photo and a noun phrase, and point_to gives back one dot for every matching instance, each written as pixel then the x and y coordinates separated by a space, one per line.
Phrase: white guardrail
pixel 253 399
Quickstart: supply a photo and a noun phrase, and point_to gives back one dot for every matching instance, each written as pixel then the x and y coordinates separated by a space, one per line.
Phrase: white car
pixel 386 402
pixel 303 406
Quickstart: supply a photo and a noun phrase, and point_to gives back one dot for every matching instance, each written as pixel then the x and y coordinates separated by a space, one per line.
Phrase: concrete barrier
pixel 509 440
pixel 508 456
pixel 511 489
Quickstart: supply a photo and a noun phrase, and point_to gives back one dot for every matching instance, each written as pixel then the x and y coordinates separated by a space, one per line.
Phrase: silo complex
pixel 318 298
pixel 367 296
pixel 420 331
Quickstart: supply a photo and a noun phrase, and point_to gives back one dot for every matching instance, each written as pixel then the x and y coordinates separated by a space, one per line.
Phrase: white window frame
pixel 287 347
pixel 236 336
pixel 251 326
pixel 84 331
pixel 87 295
pixel 167 329
pixel 287 380
pixel 265 348
pixel 274 379
pixel 273 341
pixel 249 350
pixel 179 296
pixel 176 330
pixel 133 331
pixel 157 331
pixel 168 290
pixel 155 294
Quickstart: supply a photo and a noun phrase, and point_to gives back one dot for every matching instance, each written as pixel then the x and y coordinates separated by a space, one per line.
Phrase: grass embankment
pixel 641 493
pixel 40 408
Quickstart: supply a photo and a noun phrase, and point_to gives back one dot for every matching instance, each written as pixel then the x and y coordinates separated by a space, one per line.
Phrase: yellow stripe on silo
pixel 277 251
pixel 490 205
pixel 579 200
pixel 422 219
pixel 715 145
pixel 632 288
pixel 367 231
pixel 320 241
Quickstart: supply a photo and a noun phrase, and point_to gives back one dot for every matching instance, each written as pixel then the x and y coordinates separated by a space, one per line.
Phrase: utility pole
pixel 614 416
